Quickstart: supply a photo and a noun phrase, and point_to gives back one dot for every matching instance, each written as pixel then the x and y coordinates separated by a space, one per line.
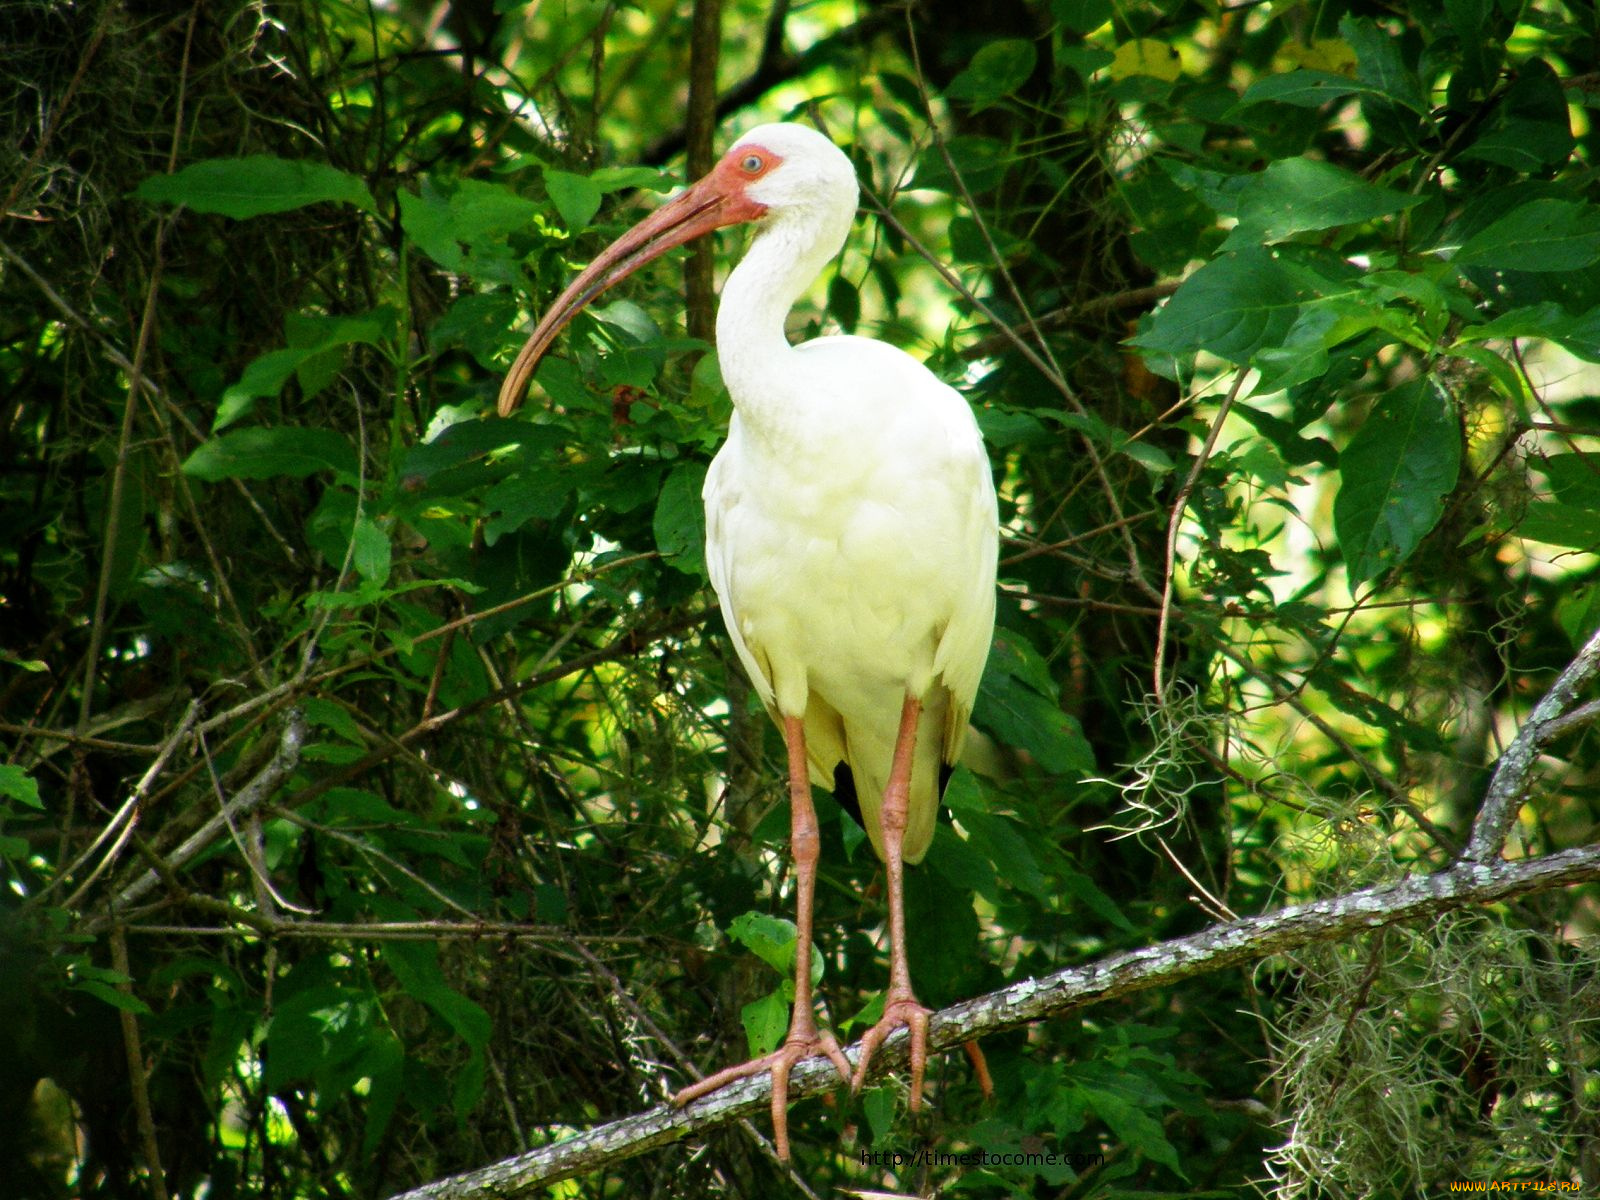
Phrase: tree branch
pixel 267 781
pixel 1503 799
pixel 1462 885
pixel 776 67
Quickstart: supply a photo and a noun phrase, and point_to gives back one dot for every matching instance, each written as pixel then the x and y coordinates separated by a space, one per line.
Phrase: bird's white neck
pixel 784 259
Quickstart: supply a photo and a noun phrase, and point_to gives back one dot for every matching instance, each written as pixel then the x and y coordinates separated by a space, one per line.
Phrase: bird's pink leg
pixel 900 1006
pixel 804 1039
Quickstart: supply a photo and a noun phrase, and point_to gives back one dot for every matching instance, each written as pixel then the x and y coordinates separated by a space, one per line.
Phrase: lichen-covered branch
pixel 1463 885
pixel 1503 797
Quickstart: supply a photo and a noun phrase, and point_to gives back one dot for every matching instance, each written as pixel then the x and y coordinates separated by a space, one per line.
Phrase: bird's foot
pixel 906 1011
pixel 897 1011
pixel 797 1047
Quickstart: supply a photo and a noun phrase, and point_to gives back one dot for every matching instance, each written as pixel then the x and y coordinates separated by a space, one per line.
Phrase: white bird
pixel 851 536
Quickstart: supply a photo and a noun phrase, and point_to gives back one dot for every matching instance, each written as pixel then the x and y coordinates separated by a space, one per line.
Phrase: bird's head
pixel 774 175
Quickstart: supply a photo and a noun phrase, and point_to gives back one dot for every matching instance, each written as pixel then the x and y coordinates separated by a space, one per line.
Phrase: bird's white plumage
pixel 851 525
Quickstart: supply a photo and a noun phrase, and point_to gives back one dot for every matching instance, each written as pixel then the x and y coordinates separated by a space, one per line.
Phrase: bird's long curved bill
pixel 704 207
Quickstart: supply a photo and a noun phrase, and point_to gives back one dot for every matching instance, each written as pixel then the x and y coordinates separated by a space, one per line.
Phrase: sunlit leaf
pixel 1146 56
pixel 772 940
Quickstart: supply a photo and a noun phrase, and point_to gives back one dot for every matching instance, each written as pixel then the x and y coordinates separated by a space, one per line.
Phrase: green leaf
pixel 268 453
pixel 957 859
pixel 996 70
pixel 1542 235
pixel 459 443
pixel 1580 335
pixel 1526 146
pixel 1578 613
pixel 844 302
pixel 1021 710
pixel 469 226
pixel 772 940
pixel 877 1105
pixel 16 784
pixel 1395 475
pixel 118 1000
pixel 478 321
pixel 576 197
pixel 1304 89
pixel 680 519
pixel 765 1022
pixel 1131 1124
pixel 612 179
pixel 1152 458
pixel 371 551
pixel 309 339
pixel 1294 195
pixel 383 1063
pixel 256 184
pixel 536 495
pixel 1082 16
pixel 1559 524
pixel 1379 64
pixel 325 713
pixel 416 966
pixel 1232 307
pixel 979 161
pixel 1574 477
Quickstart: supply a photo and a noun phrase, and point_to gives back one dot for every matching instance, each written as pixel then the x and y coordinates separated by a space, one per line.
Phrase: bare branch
pixel 266 781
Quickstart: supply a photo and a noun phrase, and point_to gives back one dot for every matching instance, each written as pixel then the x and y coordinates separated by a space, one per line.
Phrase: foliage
pixel 380 778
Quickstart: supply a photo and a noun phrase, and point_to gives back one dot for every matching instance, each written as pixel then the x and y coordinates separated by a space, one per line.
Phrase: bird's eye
pixel 752 164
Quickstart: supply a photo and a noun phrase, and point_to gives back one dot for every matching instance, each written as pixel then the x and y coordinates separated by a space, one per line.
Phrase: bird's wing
pixel 722 496
pixel 964 646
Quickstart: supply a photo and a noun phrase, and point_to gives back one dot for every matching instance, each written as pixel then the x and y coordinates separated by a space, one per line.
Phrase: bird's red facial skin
pixel 739 168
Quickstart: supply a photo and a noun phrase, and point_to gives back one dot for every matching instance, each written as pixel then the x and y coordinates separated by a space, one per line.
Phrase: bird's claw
pixel 902 1010
pixel 797 1047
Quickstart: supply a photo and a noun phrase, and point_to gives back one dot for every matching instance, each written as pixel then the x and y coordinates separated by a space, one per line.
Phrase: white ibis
pixel 851 536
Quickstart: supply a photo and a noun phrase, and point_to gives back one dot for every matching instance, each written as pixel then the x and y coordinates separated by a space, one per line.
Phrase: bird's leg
pixel 804 1039
pixel 900 1005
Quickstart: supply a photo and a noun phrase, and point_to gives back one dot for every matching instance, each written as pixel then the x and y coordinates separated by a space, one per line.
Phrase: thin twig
pixel 268 780
pixel 137 1083
pixel 129 812
pixel 1179 504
